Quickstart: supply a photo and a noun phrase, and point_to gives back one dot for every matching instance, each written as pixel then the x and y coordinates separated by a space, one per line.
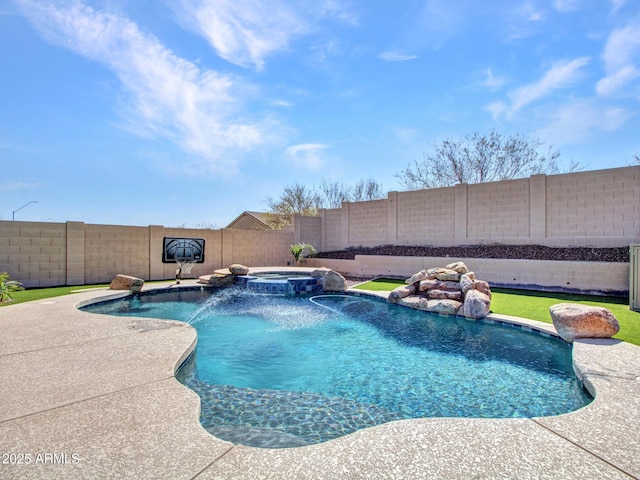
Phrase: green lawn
pixel 535 305
pixel 40 293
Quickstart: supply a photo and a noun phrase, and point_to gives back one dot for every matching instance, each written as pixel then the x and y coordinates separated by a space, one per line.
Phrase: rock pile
pixel 452 290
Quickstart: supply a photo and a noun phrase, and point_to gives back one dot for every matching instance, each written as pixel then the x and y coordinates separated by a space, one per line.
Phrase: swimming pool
pixel 280 370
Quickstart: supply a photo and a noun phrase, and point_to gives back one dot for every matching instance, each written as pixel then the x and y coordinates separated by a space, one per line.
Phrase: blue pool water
pixel 279 370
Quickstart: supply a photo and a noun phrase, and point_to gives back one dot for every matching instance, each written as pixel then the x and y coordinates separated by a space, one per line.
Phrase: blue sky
pixel 188 112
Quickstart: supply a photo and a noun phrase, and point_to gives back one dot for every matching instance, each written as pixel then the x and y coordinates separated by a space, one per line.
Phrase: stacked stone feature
pixel 450 290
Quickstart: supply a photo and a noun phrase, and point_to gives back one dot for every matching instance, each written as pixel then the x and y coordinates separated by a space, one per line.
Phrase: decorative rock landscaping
pixel 573 321
pixel 126 282
pixel 452 290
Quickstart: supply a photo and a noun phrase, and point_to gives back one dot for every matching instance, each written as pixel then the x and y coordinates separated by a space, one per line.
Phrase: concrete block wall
pixel 498 210
pixel 598 208
pixel 307 230
pixel 110 250
pixel 330 230
pixel 597 205
pixel 422 214
pixel 257 249
pixel 74 253
pixel 34 253
pixel 367 222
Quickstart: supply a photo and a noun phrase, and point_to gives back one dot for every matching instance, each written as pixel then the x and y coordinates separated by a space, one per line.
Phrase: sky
pixel 189 112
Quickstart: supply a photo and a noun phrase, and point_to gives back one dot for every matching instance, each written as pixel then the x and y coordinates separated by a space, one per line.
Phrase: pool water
pixel 279 370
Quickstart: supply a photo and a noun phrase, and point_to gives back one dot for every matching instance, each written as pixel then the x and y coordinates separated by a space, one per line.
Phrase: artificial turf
pixel 535 305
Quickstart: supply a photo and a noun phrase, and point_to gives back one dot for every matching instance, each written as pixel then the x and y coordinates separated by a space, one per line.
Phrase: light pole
pixel 13 214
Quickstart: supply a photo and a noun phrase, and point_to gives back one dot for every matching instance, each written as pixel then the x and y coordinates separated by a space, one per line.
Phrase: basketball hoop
pixel 186 265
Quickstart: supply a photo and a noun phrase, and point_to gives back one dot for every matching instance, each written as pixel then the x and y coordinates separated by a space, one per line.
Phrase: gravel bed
pixel 522 252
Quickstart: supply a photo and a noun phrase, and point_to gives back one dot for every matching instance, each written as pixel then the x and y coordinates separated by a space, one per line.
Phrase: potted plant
pixel 301 250
pixel 8 286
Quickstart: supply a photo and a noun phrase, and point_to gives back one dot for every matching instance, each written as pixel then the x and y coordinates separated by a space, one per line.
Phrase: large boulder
pixel 443 307
pixel 126 282
pixel 415 302
pixel 217 280
pixel 583 321
pixel 466 281
pixel 237 269
pixel 418 277
pixel 401 292
pixel 333 282
pixel 476 304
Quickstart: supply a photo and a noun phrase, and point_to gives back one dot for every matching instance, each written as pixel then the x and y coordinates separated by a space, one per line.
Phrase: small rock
pixel 428 285
pixel 238 269
pixel 443 307
pixel 418 277
pixel 126 282
pixel 583 321
pixel 454 286
pixel 459 267
pixel 402 291
pixel 436 294
pixel 221 280
pixel 447 275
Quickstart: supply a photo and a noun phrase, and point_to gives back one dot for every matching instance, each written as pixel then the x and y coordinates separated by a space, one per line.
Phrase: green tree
pixel 479 158
pixel 7 287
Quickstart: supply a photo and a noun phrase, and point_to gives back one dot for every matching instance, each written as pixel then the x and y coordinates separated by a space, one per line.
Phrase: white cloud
pixel 566 5
pixel 530 12
pixel 307 155
pixel 617 5
pixel 165 95
pixel 395 56
pixel 12 187
pixel 577 120
pixel 496 109
pixel 243 32
pixel 621 56
pixel 614 83
pixel 560 75
pixel 492 81
pixel 339 10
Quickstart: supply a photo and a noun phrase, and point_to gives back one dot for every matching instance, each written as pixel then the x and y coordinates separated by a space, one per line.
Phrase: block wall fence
pixel 75 253
pixel 597 208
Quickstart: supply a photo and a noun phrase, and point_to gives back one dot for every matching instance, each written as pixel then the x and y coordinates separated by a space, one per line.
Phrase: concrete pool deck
pixel 84 395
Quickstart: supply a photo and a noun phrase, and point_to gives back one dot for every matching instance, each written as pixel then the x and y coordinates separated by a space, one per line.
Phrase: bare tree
pixel 295 199
pixel 481 158
pixel 367 189
pixel 333 194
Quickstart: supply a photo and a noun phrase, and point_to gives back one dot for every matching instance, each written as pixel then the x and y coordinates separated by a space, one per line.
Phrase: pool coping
pixel 123 414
